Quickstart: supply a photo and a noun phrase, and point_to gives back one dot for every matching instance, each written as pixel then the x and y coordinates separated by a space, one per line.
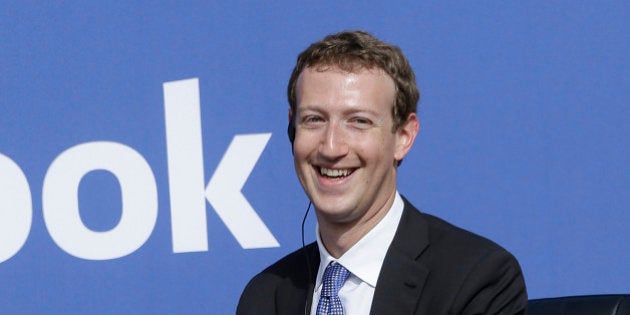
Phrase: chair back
pixel 618 304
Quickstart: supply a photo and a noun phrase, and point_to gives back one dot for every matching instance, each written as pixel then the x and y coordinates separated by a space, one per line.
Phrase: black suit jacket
pixel 431 267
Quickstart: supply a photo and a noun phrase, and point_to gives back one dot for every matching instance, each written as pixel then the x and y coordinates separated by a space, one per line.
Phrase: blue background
pixel 524 136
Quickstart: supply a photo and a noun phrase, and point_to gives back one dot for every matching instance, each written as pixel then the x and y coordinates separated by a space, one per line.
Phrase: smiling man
pixel 352 120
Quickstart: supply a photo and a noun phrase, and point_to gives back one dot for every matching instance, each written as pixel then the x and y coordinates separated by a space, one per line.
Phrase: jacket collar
pixel 403 276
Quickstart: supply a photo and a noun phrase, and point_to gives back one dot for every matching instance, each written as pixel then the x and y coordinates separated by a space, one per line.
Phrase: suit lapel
pixel 313 266
pixel 402 276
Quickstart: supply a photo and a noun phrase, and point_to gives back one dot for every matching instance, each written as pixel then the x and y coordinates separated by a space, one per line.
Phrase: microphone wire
pixel 308 261
pixel 304 221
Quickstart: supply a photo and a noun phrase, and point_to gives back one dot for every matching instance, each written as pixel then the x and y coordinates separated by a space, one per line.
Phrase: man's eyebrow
pixel 352 111
pixel 308 107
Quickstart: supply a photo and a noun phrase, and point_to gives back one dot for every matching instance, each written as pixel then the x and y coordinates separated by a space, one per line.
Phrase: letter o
pixel 60 200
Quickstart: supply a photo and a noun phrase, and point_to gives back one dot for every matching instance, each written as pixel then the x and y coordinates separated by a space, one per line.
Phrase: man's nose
pixel 334 143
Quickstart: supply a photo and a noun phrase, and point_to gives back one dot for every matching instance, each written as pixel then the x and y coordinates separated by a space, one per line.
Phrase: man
pixel 352 120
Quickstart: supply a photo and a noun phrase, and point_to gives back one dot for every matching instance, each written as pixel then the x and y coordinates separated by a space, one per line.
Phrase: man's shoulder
pixel 469 273
pixel 281 285
pixel 439 229
pixel 296 263
pixel 442 231
pixel 447 239
pixel 294 267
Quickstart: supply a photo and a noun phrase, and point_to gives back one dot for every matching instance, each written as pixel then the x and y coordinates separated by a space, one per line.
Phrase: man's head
pixel 347 137
pixel 355 50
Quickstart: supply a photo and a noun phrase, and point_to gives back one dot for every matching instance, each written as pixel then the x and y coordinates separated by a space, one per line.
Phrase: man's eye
pixel 312 119
pixel 361 121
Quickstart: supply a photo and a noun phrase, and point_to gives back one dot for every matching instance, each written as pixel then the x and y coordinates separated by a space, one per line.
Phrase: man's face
pixel 344 150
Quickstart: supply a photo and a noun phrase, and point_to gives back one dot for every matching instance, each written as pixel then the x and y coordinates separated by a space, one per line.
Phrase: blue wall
pixel 524 139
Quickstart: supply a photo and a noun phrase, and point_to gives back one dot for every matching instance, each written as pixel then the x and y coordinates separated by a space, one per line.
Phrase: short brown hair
pixel 355 50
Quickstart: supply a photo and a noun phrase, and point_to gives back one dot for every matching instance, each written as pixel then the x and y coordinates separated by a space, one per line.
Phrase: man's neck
pixel 338 238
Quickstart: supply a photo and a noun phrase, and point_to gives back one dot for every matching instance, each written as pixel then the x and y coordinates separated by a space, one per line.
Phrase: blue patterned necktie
pixel 334 277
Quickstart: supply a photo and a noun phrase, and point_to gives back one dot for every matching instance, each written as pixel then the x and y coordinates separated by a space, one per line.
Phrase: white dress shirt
pixel 363 260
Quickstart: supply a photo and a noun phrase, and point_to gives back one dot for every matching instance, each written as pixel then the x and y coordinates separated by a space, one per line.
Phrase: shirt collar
pixel 365 258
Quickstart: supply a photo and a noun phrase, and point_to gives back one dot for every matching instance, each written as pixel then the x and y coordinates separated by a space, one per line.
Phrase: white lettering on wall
pixel 60 202
pixel 16 212
pixel 185 166
pixel 60 190
pixel 185 163
pixel 224 192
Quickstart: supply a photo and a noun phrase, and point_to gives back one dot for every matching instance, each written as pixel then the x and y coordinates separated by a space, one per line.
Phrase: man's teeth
pixel 334 173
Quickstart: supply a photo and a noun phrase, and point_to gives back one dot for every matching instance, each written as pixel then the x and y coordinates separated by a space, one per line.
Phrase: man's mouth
pixel 334 173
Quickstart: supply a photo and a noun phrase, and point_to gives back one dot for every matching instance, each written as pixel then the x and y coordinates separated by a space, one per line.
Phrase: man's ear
pixel 406 135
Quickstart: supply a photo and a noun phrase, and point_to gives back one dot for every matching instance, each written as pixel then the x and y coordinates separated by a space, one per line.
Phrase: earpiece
pixel 291 131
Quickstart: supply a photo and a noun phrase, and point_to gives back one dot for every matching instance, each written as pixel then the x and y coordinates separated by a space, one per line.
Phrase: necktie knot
pixel 334 277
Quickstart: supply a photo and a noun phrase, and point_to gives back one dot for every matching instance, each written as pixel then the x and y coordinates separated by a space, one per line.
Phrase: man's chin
pixel 334 213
